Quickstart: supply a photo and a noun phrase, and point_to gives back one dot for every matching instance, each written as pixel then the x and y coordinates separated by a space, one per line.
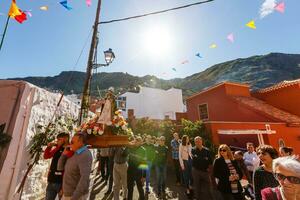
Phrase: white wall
pixel 36 106
pixel 154 103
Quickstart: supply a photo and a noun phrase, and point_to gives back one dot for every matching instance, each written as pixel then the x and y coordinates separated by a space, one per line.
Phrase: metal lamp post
pixel 109 56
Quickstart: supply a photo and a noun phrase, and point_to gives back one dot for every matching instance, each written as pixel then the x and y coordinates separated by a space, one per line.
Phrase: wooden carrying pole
pixel 86 89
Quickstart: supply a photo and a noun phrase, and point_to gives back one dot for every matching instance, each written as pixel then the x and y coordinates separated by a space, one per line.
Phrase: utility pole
pixel 85 101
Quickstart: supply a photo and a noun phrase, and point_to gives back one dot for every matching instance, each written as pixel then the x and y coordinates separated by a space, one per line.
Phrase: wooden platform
pixel 105 141
pixel 108 139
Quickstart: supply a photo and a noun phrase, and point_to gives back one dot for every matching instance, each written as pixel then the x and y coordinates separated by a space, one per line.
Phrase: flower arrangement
pixel 118 126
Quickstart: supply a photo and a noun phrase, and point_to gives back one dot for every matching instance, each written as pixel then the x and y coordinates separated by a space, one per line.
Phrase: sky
pixel 51 41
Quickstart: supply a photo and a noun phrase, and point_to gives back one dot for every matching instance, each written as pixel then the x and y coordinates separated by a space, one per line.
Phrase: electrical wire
pixel 76 63
pixel 155 13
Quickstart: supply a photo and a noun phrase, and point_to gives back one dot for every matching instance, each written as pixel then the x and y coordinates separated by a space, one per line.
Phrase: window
pixel 121 103
pixel 203 112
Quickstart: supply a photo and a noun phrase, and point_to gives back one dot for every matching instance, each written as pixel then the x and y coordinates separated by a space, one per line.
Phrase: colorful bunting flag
pixel 198 55
pixel 16 13
pixel 65 4
pixel 88 3
pixel 28 12
pixel 280 7
pixel 44 8
pixel 230 37
pixel 213 46
pixel 251 24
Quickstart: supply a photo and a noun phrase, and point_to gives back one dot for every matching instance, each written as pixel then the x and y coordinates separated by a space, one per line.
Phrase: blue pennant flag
pixel 198 55
pixel 65 4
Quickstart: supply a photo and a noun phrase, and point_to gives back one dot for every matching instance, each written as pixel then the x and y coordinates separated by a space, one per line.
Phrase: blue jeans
pixel 187 173
pixel 161 176
pixel 52 190
pixel 148 173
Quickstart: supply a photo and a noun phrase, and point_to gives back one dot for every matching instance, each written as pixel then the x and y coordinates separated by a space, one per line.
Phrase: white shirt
pixel 185 152
pixel 251 161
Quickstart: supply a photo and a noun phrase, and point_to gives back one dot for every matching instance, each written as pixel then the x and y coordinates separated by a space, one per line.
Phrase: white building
pixel 153 103
pixel 74 98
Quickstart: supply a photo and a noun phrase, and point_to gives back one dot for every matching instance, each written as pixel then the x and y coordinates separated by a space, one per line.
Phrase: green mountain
pixel 257 71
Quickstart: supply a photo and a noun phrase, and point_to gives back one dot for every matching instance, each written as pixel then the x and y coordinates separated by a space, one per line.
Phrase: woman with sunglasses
pixel 287 171
pixel 227 174
pixel 263 175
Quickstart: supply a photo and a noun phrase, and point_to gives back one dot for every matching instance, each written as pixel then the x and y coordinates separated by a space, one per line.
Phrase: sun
pixel 157 41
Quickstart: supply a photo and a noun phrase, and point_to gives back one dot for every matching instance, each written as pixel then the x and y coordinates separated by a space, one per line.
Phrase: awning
pixel 246 132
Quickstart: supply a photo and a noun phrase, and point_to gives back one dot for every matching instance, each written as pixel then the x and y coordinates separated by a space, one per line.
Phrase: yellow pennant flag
pixel 14 10
pixel 213 46
pixel 251 24
pixel 45 8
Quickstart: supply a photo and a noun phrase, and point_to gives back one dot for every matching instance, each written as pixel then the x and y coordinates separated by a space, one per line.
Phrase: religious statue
pixel 108 109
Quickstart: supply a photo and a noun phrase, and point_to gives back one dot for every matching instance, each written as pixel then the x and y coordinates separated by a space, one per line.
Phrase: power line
pixel 155 13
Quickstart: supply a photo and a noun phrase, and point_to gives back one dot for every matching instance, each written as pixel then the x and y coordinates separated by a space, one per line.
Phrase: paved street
pixel 172 192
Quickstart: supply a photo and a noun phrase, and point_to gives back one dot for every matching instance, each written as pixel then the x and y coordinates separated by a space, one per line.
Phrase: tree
pixel 146 126
pixel 197 128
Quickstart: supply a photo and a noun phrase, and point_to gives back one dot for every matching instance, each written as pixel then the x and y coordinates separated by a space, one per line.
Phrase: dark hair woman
pixel 227 174
pixel 286 151
pixel 263 175
pixel 185 159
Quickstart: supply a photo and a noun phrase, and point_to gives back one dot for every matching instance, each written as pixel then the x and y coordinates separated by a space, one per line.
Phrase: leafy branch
pixel 45 134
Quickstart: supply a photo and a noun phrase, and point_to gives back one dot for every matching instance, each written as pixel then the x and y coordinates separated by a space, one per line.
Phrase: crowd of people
pixel 270 175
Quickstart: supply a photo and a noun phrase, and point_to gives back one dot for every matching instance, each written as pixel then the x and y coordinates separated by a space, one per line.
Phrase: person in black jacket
pixel 161 155
pixel 227 174
pixel 54 151
pixel 202 165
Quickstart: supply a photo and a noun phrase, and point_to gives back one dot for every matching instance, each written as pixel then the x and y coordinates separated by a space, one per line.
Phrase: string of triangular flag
pixel 279 7
pixel 19 16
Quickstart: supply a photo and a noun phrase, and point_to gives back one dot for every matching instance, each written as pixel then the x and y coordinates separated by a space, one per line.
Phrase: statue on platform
pixel 108 109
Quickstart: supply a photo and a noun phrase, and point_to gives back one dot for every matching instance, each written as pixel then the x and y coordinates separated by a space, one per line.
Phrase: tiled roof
pixel 279 86
pixel 269 110
pixel 218 85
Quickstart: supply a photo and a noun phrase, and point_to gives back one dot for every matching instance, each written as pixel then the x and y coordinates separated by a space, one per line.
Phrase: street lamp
pixel 109 56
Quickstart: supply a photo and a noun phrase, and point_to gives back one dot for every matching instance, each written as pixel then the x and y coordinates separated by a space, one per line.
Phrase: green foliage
pixel 4 137
pixel 47 133
pixel 146 126
pixel 167 127
pixel 154 128
pixel 197 128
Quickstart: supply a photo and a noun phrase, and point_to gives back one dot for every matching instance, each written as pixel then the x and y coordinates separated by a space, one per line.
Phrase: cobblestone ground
pixel 172 192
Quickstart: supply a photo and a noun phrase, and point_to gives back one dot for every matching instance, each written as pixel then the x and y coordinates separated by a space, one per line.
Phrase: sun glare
pixel 157 41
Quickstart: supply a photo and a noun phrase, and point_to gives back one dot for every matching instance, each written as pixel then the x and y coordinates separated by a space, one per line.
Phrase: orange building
pixel 284 95
pixel 234 116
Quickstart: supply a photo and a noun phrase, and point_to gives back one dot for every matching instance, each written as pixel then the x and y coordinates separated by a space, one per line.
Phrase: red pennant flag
pixel 21 18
